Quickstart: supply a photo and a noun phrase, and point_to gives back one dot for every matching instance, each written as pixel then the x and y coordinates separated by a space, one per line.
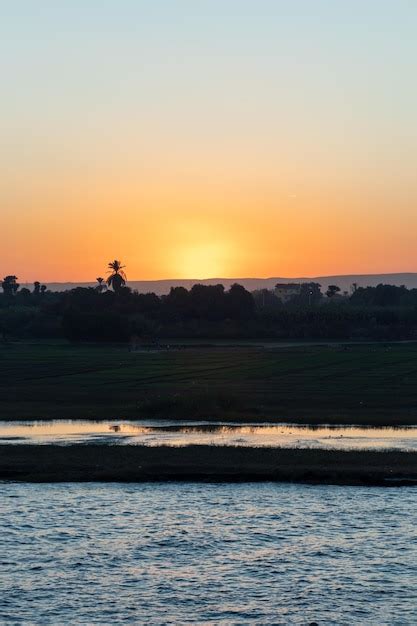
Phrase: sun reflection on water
pixel 160 432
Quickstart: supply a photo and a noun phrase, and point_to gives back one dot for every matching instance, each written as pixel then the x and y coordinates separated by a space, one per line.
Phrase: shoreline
pixel 314 419
pixel 107 463
pixel 361 418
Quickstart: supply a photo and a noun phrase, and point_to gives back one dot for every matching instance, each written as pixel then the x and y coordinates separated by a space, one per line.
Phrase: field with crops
pixel 363 384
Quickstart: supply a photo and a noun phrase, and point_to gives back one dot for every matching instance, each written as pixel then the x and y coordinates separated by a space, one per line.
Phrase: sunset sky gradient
pixel 208 137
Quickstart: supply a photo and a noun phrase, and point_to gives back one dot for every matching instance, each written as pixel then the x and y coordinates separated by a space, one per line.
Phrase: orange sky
pixel 229 215
pixel 193 228
pixel 275 142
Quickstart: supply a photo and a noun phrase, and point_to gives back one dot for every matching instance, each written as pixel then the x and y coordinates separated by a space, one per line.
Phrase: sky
pixel 207 138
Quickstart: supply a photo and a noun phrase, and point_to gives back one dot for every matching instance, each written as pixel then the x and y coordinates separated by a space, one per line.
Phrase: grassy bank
pixel 49 463
pixel 362 384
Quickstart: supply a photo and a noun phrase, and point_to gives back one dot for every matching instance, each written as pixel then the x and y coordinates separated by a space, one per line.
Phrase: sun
pixel 203 260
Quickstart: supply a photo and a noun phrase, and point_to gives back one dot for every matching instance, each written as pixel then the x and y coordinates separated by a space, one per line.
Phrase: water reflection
pixel 159 432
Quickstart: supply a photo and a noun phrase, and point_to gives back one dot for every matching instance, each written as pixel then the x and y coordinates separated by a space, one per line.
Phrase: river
pixel 170 553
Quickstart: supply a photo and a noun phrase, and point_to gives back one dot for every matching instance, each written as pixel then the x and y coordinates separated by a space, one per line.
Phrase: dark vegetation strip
pixel 53 463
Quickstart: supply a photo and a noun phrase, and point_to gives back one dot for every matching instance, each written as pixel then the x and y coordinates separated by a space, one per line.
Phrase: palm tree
pixel 101 286
pixel 117 278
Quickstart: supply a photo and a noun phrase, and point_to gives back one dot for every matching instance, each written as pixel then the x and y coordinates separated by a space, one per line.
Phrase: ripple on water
pixel 224 554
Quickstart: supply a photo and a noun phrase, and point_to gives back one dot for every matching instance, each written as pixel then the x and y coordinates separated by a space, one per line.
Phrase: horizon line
pixel 154 280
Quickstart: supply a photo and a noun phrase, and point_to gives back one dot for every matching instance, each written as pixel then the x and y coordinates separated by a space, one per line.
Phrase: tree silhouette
pixel 37 287
pixel 101 285
pixel 117 278
pixel 332 290
pixel 310 295
pixel 10 285
pixel 240 302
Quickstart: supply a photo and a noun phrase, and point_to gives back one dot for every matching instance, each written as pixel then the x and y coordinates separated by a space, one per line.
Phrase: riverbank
pixel 363 384
pixel 80 463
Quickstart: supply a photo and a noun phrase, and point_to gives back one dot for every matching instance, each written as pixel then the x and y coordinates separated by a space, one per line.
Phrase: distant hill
pixel 161 287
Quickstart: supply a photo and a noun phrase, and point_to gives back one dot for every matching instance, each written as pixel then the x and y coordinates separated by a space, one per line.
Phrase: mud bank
pixel 80 463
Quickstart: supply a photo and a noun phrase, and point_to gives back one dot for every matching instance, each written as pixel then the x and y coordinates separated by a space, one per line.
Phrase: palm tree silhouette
pixel 101 286
pixel 117 278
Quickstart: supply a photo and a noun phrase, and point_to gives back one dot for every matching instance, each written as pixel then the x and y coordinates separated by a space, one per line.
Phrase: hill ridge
pixel 344 281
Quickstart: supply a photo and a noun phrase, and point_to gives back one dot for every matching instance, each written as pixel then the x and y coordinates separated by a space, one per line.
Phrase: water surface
pixel 207 553
pixel 159 432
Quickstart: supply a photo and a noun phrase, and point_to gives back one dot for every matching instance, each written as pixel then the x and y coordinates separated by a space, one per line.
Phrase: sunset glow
pixel 208 140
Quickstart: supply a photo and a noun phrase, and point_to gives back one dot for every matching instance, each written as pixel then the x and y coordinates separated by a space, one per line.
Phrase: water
pixel 158 432
pixel 224 554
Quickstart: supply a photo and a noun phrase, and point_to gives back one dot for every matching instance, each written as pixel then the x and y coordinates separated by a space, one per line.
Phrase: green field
pixel 364 384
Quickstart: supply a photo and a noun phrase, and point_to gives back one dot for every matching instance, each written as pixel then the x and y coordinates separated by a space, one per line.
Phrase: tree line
pixel 111 311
